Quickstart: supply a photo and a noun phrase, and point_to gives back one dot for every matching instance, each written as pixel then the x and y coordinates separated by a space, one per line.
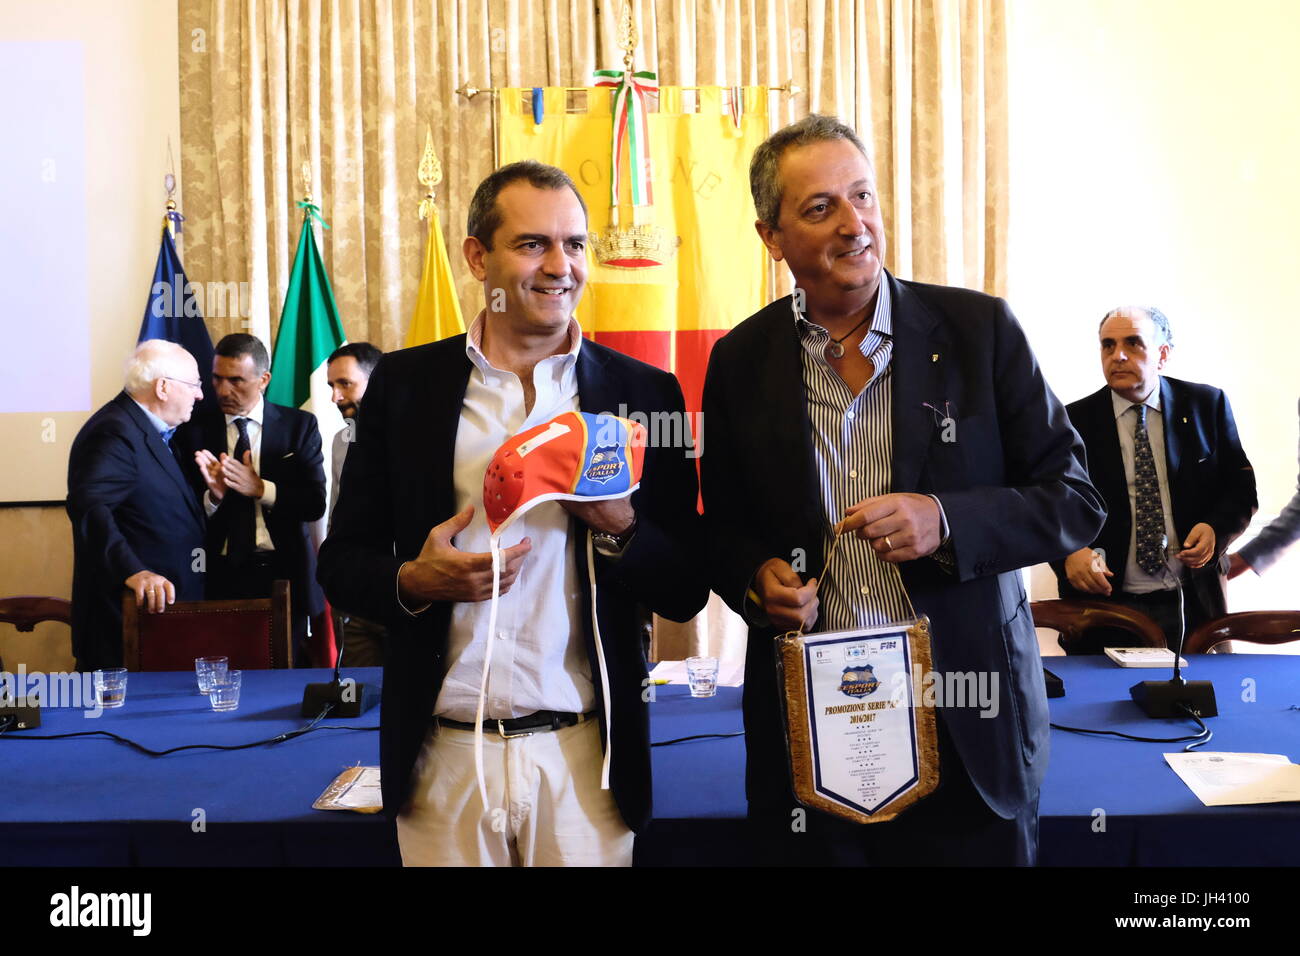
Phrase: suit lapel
pixel 1105 462
pixel 275 443
pixel 595 390
pixel 439 398
pixel 786 428
pixel 159 449
pixel 918 381
pixel 1173 440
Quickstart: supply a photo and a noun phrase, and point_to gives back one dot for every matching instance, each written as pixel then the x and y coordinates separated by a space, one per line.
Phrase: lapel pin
pixel 1184 419
pixel 934 357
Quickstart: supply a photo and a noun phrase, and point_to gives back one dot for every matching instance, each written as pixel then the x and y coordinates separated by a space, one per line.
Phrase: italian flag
pixel 309 331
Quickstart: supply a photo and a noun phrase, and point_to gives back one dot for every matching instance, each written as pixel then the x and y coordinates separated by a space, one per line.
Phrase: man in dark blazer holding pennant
pixel 916 418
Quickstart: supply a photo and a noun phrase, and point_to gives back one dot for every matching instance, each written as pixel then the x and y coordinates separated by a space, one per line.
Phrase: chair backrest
pixel 254 634
pixel 1074 618
pixel 1257 627
pixel 26 611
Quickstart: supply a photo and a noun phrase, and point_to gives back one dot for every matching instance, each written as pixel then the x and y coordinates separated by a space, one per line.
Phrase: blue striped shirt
pixel 853 447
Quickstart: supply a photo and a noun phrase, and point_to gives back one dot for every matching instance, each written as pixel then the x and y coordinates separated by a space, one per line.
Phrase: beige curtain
pixel 350 85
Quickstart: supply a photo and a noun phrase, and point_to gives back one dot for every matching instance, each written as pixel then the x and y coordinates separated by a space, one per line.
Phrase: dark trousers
pixel 1160 606
pixel 254 579
pixel 953 826
pixel 362 643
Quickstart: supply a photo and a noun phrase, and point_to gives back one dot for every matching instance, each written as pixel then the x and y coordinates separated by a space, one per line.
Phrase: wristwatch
pixel 613 545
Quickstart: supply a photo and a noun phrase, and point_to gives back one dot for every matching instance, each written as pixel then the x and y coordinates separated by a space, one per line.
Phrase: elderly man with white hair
pixel 135 522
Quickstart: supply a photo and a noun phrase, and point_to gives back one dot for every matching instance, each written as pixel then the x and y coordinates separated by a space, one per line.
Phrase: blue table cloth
pixel 93 801
pixel 1105 801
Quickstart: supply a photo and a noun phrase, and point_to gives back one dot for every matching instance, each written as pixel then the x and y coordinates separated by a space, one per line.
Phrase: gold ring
pixel 888 544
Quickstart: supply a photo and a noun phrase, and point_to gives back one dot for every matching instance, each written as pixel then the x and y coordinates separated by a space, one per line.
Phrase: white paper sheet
pixel 1228 779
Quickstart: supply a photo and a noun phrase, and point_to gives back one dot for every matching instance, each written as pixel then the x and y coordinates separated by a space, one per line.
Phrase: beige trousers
pixel 546 807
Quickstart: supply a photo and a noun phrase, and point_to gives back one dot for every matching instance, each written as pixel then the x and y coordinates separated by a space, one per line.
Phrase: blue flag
pixel 173 313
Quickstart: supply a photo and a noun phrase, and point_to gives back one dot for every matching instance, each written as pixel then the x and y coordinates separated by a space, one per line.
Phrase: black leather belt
pixel 536 723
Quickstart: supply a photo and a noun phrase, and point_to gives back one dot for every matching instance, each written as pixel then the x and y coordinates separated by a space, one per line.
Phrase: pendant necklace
pixel 835 348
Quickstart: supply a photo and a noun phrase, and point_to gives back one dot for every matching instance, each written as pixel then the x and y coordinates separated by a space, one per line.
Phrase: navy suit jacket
pixel 131 510
pixel 398 483
pixel 1210 480
pixel 1012 485
pixel 291 457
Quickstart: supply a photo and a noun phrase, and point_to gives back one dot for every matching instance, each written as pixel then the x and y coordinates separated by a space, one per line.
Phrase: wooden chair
pixel 254 634
pixel 1073 619
pixel 26 611
pixel 1257 627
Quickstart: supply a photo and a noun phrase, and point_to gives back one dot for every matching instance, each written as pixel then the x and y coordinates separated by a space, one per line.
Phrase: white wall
pixel 132 105
pixel 1154 160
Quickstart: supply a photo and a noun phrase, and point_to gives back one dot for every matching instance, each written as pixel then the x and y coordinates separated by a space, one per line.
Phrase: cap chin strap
pixel 600 660
pixel 487 666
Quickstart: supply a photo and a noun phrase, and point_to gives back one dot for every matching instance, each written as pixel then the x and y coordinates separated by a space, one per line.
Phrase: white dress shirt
pixel 254 428
pixel 1137 581
pixel 539 661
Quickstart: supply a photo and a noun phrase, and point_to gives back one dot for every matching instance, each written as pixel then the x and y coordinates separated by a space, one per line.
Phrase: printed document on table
pixel 1226 779
pixel 356 788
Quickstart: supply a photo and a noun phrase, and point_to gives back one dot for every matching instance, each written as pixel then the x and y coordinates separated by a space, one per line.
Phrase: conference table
pixel 93 801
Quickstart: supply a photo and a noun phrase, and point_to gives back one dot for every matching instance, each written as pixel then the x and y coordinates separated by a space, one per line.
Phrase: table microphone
pixel 1175 697
pixel 349 699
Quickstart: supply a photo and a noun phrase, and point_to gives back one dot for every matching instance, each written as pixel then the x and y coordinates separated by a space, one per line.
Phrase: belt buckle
pixel 501 731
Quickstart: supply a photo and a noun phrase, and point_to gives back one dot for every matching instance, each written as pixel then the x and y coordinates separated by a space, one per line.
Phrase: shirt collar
pixel 882 320
pixel 474 343
pixel 159 425
pixel 1121 404
pixel 254 415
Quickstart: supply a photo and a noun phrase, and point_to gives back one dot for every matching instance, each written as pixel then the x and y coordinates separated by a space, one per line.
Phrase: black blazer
pixel 1210 480
pixel 398 483
pixel 1012 485
pixel 131 510
pixel 291 457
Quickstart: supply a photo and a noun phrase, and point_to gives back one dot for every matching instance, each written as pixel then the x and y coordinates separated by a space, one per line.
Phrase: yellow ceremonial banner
pixel 676 276
pixel 437 309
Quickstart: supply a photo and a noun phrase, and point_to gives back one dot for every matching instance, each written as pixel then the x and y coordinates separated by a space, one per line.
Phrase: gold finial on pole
pixel 306 180
pixel 627 35
pixel 430 173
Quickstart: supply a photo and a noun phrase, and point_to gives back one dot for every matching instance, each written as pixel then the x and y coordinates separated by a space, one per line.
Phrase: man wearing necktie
pixel 1178 487
pixel 261 475
pixel 135 523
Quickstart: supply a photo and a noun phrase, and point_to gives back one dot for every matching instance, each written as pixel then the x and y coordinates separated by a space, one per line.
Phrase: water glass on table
pixel 702 675
pixel 206 667
pixel 110 687
pixel 224 691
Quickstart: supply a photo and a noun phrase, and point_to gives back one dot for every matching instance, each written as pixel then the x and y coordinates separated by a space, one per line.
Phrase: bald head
pixel 164 378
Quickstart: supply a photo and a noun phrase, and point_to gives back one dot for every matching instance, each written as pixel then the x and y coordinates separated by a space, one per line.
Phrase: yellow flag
pixel 437 310
pixel 666 289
